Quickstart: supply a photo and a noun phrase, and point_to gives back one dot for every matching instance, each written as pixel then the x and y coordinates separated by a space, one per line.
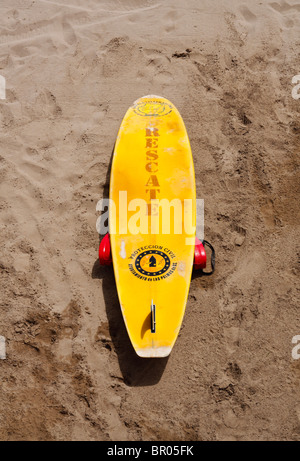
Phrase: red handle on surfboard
pixel 105 251
pixel 200 256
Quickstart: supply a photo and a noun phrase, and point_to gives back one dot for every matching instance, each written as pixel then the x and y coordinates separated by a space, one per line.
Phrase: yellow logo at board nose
pixel 152 108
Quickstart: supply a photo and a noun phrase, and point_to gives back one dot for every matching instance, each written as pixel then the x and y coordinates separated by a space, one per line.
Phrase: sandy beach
pixel 72 68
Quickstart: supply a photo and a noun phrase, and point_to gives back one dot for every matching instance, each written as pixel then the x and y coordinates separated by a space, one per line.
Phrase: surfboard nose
pixel 150 97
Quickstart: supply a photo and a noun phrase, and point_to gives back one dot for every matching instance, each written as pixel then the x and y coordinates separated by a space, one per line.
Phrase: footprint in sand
pixel 283 7
pixel 288 12
pixel 103 337
pixel 232 339
pixel 70 328
pixel 46 105
pixel 68 32
pixel 170 22
pixel 248 15
pixel 163 78
pixel 64 346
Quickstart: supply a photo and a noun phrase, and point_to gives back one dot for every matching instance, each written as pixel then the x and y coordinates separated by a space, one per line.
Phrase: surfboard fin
pixel 200 258
pixel 153 317
pixel 105 251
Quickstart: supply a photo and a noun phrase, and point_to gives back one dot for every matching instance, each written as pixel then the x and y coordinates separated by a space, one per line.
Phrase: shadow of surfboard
pixel 136 371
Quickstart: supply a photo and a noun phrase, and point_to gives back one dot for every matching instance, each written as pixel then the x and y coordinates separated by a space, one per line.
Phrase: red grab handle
pixel 200 256
pixel 105 251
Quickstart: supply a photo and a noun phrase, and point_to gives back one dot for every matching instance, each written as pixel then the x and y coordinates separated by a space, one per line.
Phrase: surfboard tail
pixel 152 352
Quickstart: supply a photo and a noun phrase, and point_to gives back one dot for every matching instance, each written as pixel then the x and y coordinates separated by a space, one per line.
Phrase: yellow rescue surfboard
pixel 152 220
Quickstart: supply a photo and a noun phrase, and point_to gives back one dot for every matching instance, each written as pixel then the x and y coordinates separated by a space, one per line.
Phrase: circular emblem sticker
pixel 152 263
pixel 153 108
